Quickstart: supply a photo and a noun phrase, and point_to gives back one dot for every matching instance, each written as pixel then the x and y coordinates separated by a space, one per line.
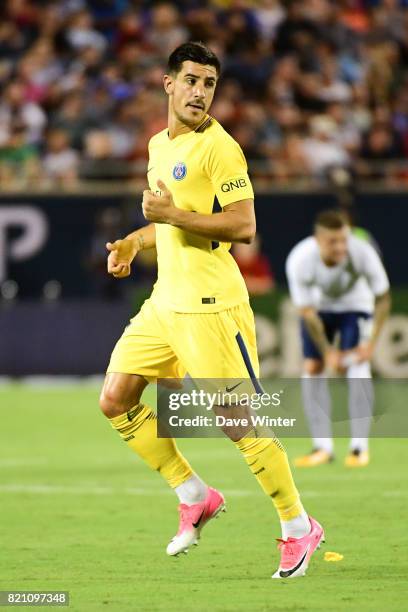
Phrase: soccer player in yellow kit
pixel 198 319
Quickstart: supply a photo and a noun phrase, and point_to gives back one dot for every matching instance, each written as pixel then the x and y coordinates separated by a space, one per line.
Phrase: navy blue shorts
pixel 352 328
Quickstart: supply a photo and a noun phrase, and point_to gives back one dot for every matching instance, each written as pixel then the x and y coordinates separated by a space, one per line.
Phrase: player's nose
pixel 199 92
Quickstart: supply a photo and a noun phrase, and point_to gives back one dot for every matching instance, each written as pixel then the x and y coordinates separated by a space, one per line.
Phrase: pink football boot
pixel 192 520
pixel 296 552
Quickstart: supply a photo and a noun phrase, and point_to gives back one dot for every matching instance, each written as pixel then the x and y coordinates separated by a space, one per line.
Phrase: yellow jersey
pixel 200 168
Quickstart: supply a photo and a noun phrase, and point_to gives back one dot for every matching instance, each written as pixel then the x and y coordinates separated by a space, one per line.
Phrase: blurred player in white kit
pixel 340 287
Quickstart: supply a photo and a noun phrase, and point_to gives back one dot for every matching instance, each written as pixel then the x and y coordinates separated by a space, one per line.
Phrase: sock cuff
pixel 359 370
pixel 306 375
pixel 176 470
pixel 289 508
pixel 123 418
pixel 253 446
pixel 131 420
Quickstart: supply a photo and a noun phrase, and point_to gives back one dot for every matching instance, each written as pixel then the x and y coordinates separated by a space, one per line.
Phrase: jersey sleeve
pixel 228 172
pixel 374 270
pixel 300 291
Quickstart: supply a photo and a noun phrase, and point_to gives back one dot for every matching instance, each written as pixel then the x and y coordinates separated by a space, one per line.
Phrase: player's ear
pixel 168 84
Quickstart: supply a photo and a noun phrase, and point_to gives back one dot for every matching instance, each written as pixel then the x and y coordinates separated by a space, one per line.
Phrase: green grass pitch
pixel 80 512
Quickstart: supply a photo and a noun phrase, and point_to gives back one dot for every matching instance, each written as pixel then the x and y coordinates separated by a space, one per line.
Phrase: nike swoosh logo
pixel 287 573
pixel 133 412
pixel 149 169
pixel 196 524
pixel 228 390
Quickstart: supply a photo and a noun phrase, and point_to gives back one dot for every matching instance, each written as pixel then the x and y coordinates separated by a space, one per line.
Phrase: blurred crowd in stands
pixel 313 90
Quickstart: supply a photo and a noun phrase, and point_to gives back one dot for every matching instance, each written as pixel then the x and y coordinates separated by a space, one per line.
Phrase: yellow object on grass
pixel 333 556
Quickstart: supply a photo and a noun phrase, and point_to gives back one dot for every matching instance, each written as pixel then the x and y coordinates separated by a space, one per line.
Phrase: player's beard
pixel 190 122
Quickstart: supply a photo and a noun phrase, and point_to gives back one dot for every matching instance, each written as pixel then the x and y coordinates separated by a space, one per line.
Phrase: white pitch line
pixel 55 489
pixel 43 489
pixel 11 463
pixel 97 490
pixel 395 493
pixel 94 490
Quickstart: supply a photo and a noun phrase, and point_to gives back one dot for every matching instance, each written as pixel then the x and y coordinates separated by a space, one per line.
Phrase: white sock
pixel 360 444
pixel 316 401
pixel 297 527
pixel 361 399
pixel 192 491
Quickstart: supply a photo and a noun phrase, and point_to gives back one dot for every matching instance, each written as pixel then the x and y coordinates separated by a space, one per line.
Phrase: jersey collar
pixel 207 121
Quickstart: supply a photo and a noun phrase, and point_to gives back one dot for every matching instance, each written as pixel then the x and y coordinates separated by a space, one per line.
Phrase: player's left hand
pixel 332 361
pixel 364 352
pixel 158 208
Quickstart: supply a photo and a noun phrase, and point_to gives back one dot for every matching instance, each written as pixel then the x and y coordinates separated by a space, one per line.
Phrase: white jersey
pixel 349 286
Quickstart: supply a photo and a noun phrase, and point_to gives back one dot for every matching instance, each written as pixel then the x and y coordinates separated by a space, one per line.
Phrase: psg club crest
pixel 179 171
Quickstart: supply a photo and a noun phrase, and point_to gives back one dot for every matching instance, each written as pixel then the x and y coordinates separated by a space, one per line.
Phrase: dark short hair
pixel 331 219
pixel 194 52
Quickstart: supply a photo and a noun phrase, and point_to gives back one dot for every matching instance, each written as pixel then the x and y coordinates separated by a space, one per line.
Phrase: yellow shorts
pixel 160 343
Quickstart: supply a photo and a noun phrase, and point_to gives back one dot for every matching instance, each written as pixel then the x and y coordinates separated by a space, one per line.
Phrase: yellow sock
pixel 268 461
pixel 138 428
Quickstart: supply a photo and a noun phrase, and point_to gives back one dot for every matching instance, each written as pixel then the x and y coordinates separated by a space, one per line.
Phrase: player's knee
pixel 120 393
pixel 313 367
pixel 111 402
pixel 234 434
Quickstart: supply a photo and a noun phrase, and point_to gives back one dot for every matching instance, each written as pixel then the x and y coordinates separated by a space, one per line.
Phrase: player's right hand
pixel 121 255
